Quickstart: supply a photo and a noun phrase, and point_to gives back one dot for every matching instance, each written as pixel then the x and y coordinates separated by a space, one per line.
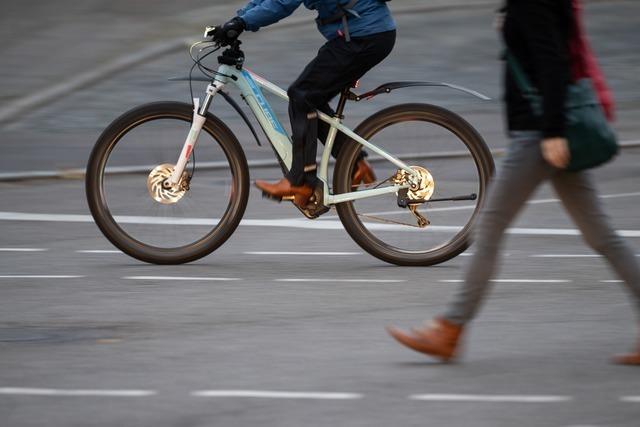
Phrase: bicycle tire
pixel 114 232
pixel 380 121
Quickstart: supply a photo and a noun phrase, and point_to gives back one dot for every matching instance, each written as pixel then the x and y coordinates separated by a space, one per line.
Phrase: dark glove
pixel 230 31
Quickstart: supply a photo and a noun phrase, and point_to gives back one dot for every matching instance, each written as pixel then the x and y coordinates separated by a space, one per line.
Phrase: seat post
pixel 344 96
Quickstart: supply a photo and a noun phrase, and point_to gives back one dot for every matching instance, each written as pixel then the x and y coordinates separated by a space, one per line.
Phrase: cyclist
pixel 360 34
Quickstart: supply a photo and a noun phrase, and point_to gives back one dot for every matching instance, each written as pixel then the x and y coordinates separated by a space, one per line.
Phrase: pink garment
pixel 585 65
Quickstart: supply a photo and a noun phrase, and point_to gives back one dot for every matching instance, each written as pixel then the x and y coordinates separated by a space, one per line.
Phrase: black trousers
pixel 339 64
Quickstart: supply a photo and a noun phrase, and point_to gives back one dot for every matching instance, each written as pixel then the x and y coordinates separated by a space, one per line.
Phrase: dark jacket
pixel 537 33
pixel 373 16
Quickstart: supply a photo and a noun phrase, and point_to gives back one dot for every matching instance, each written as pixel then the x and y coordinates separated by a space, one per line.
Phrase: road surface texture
pixel 284 325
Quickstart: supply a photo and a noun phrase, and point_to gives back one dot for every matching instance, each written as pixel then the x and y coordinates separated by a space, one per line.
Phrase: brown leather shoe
pixel 362 173
pixel 632 359
pixel 283 190
pixel 439 339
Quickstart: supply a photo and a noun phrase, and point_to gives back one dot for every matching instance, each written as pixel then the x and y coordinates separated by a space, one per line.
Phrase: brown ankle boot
pixel 362 173
pixel 632 358
pixel 439 339
pixel 283 190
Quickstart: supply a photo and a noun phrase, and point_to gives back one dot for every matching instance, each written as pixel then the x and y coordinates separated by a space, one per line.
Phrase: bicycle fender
pixel 388 87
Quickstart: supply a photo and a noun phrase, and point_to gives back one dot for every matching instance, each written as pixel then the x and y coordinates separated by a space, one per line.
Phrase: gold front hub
pixel 161 190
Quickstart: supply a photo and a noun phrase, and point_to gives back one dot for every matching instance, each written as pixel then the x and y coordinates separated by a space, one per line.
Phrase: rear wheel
pixel 455 166
pixel 132 204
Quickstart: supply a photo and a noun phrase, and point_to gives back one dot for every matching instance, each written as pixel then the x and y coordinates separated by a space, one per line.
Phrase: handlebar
pixel 216 34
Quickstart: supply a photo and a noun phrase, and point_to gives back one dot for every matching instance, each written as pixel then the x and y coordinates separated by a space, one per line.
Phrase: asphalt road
pixel 251 336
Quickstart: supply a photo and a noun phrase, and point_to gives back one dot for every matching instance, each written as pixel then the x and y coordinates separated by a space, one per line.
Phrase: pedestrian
pixel 360 34
pixel 546 39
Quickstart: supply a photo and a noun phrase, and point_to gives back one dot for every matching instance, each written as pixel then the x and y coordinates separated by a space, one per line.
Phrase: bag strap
pixel 341 15
pixel 530 93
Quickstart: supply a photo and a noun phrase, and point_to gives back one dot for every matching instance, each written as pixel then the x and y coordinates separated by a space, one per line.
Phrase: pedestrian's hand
pixel 556 152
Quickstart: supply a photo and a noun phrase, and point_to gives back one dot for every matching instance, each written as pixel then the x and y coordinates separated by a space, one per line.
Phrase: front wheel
pixel 131 201
pixel 455 166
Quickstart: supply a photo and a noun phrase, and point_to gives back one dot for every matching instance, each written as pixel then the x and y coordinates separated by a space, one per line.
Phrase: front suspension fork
pixel 199 118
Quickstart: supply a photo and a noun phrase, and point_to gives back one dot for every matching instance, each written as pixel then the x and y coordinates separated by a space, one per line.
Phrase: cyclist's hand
pixel 230 30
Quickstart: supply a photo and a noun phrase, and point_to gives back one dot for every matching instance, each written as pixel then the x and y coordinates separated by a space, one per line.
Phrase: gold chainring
pixel 161 190
pixel 421 187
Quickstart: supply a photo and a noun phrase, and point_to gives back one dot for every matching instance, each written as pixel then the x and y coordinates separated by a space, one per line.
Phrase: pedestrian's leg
pixel 578 194
pixel 522 171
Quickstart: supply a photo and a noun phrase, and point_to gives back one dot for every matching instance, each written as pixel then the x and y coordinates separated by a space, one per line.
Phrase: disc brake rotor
pixel 161 190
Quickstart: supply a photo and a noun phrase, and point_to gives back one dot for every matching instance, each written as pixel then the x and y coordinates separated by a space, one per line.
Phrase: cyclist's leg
pixel 338 64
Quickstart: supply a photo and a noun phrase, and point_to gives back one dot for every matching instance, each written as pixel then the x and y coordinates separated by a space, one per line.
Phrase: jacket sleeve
pixel 250 5
pixel 542 31
pixel 260 13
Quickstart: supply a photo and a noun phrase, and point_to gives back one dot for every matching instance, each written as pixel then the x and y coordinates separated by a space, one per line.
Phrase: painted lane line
pixel 37 276
pixel 99 251
pixel 266 394
pixel 611 281
pixel 565 256
pixel 342 280
pixel 471 207
pixel 568 256
pixel 288 223
pixel 71 392
pixel 303 253
pixel 630 399
pixel 514 281
pixel 185 278
pixel 490 398
pixel 23 250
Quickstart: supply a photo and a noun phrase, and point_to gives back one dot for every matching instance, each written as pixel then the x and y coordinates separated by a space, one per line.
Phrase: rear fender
pixel 388 87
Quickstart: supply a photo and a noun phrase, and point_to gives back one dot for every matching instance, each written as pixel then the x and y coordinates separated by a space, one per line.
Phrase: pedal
pixel 266 195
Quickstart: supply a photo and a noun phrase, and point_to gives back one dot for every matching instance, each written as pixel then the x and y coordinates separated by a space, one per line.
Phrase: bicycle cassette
pixel 421 187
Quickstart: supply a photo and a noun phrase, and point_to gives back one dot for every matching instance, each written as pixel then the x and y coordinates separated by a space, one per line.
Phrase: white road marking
pixel 266 394
pixel 490 398
pixel 611 281
pixel 630 399
pixel 343 280
pixel 302 253
pixel 72 392
pixel 185 278
pixel 99 251
pixel 471 207
pixel 37 276
pixel 23 250
pixel 289 223
pixel 565 256
pixel 513 281
pixel 568 256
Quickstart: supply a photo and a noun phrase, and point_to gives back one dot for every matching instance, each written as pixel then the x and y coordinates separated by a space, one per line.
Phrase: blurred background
pixel 69 68
pixel 72 317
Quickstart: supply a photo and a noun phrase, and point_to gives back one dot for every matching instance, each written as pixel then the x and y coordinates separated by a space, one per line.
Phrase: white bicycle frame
pixel 250 85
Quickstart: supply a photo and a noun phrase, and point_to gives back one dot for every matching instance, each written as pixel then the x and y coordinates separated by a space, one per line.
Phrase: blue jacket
pixel 374 15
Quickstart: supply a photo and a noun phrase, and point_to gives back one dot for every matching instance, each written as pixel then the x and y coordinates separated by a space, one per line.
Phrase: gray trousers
pixel 522 171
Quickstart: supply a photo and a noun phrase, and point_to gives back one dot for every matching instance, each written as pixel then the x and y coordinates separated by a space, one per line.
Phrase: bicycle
pixel 181 213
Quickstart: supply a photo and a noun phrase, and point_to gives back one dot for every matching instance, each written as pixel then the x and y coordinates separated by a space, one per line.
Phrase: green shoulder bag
pixel 592 142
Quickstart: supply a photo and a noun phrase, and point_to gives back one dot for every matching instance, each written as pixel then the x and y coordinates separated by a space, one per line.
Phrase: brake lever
pixel 210 31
